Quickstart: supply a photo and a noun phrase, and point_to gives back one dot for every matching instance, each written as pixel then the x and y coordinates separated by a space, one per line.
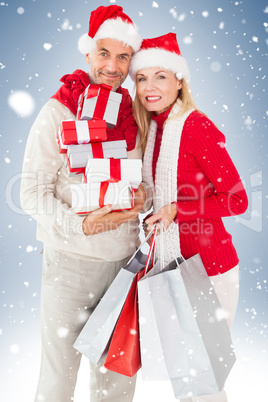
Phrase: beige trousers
pixel 226 287
pixel 71 289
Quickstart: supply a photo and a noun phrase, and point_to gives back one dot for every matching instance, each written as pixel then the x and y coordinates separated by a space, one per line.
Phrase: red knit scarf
pixel 73 85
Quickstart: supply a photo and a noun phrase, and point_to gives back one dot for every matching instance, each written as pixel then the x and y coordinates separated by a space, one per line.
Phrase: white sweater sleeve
pixel 41 175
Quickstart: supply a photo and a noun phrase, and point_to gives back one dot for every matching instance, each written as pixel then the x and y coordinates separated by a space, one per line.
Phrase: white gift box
pixel 72 172
pixel 104 105
pixel 86 196
pixel 98 170
pixel 62 148
pixel 80 154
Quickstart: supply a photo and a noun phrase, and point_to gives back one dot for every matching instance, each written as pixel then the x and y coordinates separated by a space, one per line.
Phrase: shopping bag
pixel 123 354
pixel 124 351
pixel 95 335
pixel 183 336
pixel 94 338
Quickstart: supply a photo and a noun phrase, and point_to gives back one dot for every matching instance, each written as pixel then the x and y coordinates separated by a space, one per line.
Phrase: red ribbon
pixel 101 104
pixel 132 197
pixel 103 189
pixel 115 176
pixel 102 92
pixel 108 87
pixel 115 170
pixel 80 105
pixel 97 151
pixel 90 92
pixel 93 91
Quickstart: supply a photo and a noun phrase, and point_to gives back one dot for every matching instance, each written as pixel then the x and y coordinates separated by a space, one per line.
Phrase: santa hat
pixel 109 22
pixel 162 51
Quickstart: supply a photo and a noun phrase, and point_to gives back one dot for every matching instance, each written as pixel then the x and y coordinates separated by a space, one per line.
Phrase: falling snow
pixel 20 10
pixel 22 103
pixel 226 50
pixel 62 332
pixel 173 12
pixel 66 26
pixel 47 46
pixel 215 66
pixel 205 14
pixel 14 349
pixel 181 17
pixel 187 40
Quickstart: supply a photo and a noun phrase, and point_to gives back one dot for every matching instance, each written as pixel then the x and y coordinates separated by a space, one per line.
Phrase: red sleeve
pixel 228 196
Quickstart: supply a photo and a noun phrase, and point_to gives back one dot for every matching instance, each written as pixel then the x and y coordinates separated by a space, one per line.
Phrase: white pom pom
pixel 86 44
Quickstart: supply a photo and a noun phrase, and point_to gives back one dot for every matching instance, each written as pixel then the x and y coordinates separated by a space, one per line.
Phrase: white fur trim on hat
pixel 113 29
pixel 86 44
pixel 156 57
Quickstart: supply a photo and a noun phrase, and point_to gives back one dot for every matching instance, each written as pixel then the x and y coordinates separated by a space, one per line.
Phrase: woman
pixel 193 179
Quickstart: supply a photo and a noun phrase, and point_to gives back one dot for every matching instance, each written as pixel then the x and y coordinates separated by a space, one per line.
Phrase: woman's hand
pixel 166 215
pixel 145 229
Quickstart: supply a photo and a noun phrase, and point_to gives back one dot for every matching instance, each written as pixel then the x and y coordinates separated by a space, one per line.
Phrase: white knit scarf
pixel 165 188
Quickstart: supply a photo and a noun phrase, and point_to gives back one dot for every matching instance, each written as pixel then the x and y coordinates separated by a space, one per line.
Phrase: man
pixel 82 255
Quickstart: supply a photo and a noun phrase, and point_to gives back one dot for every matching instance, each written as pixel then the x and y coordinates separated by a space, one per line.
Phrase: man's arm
pixel 41 166
pixel 103 219
pixel 42 163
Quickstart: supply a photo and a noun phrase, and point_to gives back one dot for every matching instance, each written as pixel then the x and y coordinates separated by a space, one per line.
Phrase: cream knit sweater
pixel 46 196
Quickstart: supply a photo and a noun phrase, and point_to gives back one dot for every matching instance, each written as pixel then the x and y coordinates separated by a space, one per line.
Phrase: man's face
pixel 109 63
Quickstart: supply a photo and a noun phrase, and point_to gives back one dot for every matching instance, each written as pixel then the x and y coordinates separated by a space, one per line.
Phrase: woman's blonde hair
pixel 143 117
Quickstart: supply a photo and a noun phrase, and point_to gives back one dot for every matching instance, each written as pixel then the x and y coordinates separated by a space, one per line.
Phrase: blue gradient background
pixel 234 98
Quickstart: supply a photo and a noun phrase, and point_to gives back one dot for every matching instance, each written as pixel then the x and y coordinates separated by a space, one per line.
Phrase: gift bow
pixel 102 92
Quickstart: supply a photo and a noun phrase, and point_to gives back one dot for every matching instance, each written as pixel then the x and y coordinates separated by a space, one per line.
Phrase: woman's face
pixel 157 88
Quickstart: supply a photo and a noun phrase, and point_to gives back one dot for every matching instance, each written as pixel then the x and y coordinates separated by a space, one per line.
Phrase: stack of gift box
pixel 108 177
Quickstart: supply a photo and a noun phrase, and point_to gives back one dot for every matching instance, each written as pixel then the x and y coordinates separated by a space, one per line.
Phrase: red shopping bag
pixel 123 355
pixel 124 352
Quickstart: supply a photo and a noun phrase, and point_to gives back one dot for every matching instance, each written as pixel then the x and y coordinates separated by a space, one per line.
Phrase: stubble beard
pixel 95 77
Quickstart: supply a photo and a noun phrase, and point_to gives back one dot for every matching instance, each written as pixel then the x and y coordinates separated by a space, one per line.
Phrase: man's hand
pixel 103 219
pixel 140 198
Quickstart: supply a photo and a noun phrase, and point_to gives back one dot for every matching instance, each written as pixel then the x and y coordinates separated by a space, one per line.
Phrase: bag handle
pixel 162 247
pixel 142 243
pixel 151 250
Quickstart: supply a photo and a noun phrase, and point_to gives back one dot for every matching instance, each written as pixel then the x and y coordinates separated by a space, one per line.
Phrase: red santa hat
pixel 162 51
pixel 109 22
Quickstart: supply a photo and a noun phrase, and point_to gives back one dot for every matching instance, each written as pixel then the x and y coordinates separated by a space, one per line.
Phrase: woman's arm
pixel 228 193
pixel 228 196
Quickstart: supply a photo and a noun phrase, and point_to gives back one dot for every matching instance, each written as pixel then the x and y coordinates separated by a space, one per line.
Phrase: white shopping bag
pixel 183 336
pixel 94 338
